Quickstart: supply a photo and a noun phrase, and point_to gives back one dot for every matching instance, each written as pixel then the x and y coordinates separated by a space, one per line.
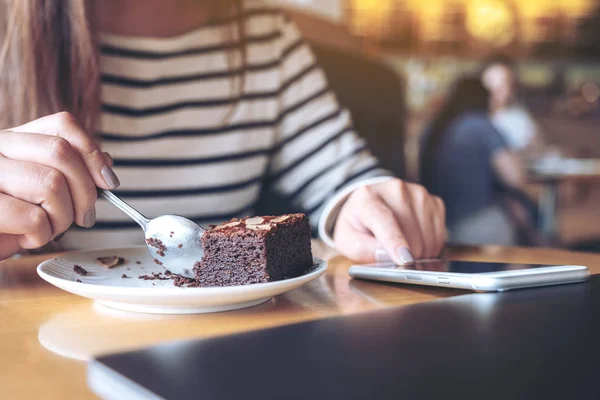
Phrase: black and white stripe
pixel 164 101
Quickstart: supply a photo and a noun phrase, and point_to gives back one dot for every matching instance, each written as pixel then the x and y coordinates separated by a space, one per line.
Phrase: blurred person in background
pixel 518 127
pixel 467 162
pixel 511 118
pixel 188 107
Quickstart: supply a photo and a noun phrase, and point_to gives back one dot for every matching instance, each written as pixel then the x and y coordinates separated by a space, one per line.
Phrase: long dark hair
pixel 467 95
pixel 49 59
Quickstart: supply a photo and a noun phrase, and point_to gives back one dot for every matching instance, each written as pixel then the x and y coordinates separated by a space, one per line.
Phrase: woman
pixel 463 160
pixel 510 118
pixel 200 104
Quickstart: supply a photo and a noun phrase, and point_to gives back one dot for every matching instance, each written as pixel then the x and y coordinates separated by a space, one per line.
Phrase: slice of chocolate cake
pixel 255 250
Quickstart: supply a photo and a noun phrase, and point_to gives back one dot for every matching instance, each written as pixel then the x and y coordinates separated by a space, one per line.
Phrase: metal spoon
pixel 173 241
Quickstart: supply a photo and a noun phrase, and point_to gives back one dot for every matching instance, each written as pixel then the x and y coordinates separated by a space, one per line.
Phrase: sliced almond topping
pixel 254 221
pixel 263 227
pixel 227 225
pixel 280 219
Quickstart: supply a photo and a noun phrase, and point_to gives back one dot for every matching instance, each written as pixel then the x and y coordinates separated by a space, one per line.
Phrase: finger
pixel 400 201
pixel 355 241
pixel 381 221
pixel 440 225
pixel 416 211
pixel 42 185
pixel 9 245
pixel 56 153
pixel 433 236
pixel 22 218
pixel 423 209
pixel 437 221
pixel 65 125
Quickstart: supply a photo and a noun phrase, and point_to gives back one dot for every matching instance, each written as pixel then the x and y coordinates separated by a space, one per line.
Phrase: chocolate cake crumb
pixel 79 280
pixel 182 281
pixel 124 276
pixel 158 245
pixel 79 270
pixel 111 261
pixel 157 262
pixel 180 246
pixel 156 276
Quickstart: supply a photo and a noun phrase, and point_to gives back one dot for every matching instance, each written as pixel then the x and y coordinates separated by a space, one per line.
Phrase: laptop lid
pixel 537 343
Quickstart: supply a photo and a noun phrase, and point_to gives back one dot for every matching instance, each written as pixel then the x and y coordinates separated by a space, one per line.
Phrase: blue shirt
pixel 462 173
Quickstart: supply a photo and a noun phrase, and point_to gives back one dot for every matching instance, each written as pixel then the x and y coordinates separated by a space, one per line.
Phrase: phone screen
pixel 463 267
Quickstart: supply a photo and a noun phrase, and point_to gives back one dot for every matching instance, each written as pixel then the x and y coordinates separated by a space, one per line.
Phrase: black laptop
pixel 535 344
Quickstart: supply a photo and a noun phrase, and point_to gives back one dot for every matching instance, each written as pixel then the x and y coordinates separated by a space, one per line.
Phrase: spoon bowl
pixel 173 241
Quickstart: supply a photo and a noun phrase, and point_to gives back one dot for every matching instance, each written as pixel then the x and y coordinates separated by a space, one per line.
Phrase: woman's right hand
pixel 49 171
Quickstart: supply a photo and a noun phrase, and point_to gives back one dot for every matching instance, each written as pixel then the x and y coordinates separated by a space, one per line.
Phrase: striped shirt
pixel 164 101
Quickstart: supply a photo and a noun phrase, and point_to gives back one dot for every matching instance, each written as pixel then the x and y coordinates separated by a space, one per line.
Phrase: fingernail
pixel 404 255
pixel 58 237
pixel 382 256
pixel 110 177
pixel 90 218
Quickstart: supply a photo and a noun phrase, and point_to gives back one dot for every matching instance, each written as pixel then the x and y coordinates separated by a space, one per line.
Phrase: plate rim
pixel 319 268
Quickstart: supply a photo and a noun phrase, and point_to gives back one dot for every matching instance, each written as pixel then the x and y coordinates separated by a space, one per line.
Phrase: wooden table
pixel 37 320
pixel 550 175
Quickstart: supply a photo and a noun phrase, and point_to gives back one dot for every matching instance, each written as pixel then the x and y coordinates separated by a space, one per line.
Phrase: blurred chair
pixel 324 31
pixel 371 90
pixel 374 94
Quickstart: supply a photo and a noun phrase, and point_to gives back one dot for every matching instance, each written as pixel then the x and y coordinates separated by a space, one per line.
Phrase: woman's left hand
pixel 393 220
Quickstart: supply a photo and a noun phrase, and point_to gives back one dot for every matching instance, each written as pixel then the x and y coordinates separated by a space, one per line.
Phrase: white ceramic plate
pixel 109 288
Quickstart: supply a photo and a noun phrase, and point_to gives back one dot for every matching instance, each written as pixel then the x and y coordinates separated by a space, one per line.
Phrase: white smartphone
pixel 478 276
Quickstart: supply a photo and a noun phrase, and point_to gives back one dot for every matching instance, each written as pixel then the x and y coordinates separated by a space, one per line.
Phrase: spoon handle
pixel 126 208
